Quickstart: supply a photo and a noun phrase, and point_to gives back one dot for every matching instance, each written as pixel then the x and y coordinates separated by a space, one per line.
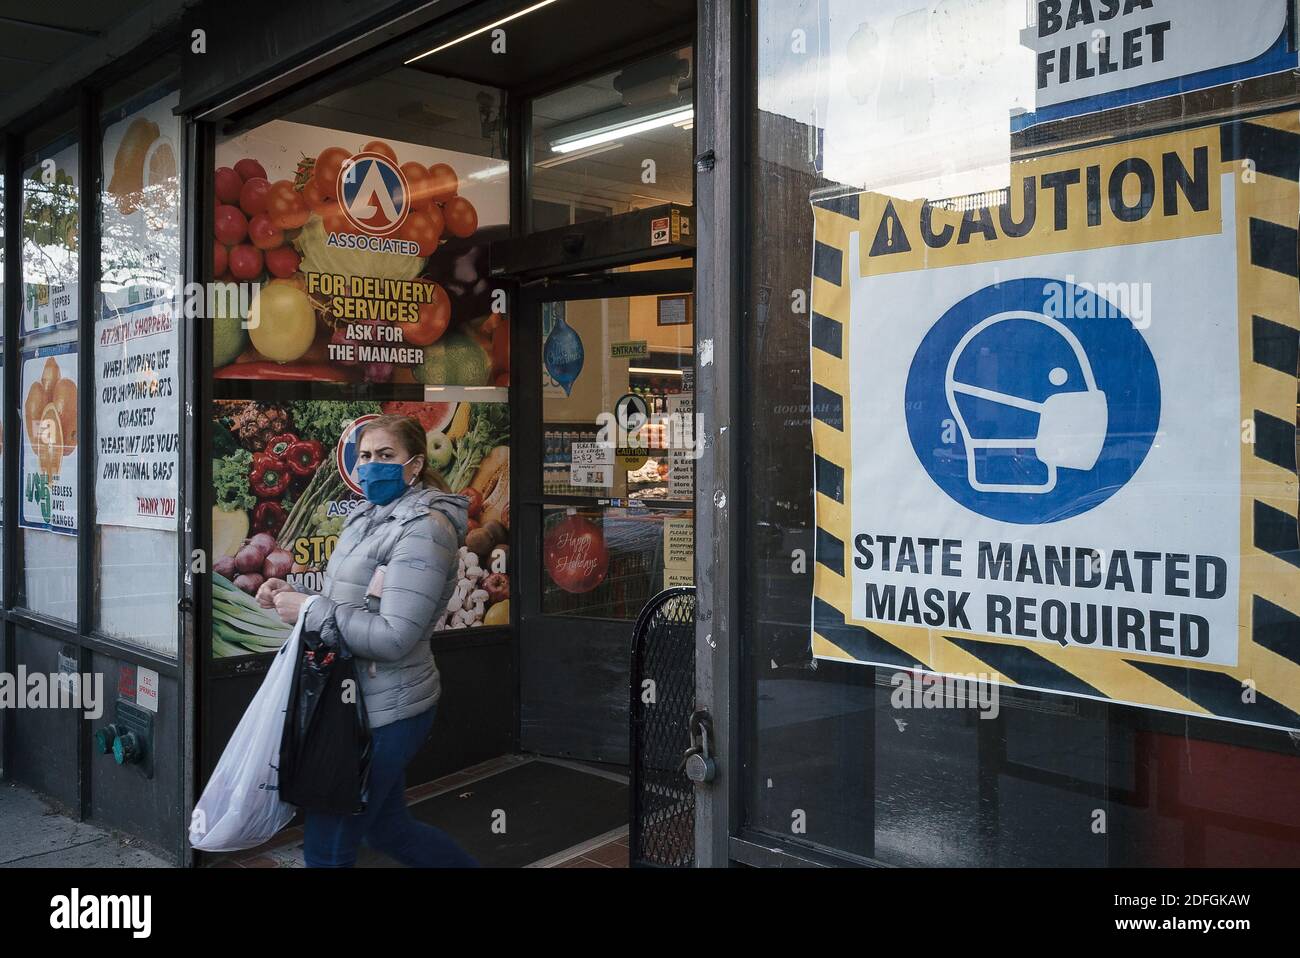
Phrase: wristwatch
pixel 372 603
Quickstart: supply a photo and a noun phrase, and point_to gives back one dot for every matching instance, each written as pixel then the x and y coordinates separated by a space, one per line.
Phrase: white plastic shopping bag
pixel 241 807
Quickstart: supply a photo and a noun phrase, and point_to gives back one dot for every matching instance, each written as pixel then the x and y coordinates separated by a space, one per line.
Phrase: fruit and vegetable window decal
pixel 370 255
pixel 368 260
pixel 284 484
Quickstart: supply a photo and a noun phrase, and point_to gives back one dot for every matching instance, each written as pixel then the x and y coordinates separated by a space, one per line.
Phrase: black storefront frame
pixel 333 70
pixel 530 518
pixel 723 53
pixel 760 847
pixel 85 100
pixel 243 104
pixel 723 192
pixel 723 195
pixel 721 217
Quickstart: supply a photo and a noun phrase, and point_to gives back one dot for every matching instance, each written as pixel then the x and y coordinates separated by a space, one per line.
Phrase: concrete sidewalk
pixel 34 834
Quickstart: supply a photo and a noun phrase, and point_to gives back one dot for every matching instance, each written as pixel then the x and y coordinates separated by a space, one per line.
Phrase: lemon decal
pixel 282 323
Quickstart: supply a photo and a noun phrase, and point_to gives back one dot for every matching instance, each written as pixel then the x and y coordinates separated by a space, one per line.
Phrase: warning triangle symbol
pixel 890 237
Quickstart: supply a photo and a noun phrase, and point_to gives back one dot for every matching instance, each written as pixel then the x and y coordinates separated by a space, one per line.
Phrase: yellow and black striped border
pixel 1264 688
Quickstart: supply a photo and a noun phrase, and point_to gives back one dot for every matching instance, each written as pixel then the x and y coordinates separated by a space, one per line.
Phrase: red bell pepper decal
pixel 279 446
pixel 270 476
pixel 304 456
pixel 269 517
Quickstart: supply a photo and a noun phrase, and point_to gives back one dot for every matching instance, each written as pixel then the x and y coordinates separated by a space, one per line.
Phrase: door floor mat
pixel 540 809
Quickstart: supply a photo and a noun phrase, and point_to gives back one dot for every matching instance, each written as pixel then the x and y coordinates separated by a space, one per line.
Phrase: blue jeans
pixel 386 825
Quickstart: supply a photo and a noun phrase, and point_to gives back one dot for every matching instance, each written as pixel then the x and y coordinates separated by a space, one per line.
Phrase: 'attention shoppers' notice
pixel 136 416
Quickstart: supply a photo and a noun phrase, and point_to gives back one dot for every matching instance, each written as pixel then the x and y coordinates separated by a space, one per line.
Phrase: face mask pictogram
pixel 1070 425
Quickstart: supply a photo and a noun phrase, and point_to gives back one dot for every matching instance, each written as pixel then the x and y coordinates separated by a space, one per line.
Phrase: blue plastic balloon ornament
pixel 563 354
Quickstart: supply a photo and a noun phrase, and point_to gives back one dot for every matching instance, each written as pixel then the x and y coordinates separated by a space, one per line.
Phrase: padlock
pixel 700 766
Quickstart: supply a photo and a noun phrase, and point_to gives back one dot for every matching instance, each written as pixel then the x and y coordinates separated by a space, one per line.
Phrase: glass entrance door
pixel 607 517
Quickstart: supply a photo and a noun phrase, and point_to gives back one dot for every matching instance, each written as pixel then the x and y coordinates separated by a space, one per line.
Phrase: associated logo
pixel 373 193
pixel 1025 415
pixel 346 452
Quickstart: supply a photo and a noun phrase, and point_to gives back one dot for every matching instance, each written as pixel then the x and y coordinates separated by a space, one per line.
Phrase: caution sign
pixel 1055 428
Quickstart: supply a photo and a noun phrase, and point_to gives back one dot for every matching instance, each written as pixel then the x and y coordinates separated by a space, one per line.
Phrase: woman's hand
pixel 267 591
pixel 376 587
pixel 288 604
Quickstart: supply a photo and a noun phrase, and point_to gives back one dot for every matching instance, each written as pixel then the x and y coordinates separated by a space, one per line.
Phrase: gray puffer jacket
pixel 416 536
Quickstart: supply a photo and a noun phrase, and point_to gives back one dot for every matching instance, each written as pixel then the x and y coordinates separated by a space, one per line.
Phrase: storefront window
pixel 608 563
pixel 614 143
pixel 356 230
pixel 982 629
pixel 48 480
pixel 138 368
pixel 618 427
pixel 631 356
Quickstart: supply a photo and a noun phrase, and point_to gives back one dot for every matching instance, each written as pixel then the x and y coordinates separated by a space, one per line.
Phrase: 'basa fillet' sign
pixel 1054 434
pixel 1086 48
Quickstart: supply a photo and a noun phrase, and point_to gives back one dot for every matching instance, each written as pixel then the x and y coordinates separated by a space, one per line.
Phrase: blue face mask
pixel 382 482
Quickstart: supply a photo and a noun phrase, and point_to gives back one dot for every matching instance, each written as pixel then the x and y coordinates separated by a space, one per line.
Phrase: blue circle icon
pixel 1032 400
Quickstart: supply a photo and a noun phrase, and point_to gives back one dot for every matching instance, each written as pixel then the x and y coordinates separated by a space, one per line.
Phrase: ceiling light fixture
pixel 473 33
pixel 614 131
pixel 563 158
pixel 498 172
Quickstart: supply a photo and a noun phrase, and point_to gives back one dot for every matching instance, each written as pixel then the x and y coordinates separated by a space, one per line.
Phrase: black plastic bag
pixel 325 746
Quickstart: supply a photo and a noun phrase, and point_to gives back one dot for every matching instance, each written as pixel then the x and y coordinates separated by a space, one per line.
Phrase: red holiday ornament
pixel 575 555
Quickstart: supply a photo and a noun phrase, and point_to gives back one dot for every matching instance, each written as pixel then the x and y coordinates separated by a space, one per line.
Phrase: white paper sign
pixel 933 84
pixel 679 552
pixel 146 689
pixel 591 465
pixel 679 543
pixel 681 462
pixel 137 416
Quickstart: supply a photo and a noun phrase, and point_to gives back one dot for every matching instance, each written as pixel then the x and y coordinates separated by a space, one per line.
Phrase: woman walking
pixel 391 573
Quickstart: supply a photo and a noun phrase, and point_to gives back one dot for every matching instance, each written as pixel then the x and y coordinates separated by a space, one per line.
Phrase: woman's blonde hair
pixel 410 434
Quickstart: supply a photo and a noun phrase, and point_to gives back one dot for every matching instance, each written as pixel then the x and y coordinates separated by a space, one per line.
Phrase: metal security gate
pixel 662 813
